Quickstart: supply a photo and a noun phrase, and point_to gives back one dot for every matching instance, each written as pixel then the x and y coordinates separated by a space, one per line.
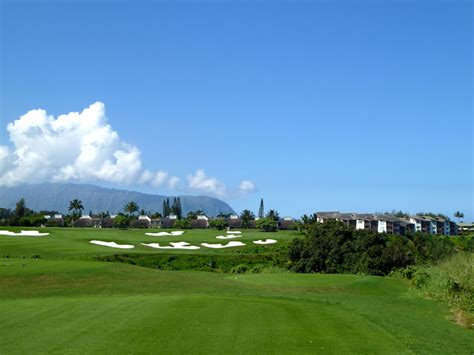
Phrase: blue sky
pixel 345 105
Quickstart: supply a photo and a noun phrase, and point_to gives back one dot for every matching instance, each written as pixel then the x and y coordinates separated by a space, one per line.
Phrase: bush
pixel 218 224
pixel 182 224
pixel 202 262
pixel 239 269
pixel 25 222
pixel 121 221
pixel 266 224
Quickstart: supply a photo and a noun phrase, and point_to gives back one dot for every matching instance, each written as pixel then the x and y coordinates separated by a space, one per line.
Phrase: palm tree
pixel 306 220
pixel 103 215
pixel 459 215
pixel 75 206
pixel 131 208
pixel 194 214
pixel 272 214
pixel 247 216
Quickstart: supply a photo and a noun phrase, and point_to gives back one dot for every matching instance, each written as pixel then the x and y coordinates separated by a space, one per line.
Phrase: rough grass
pixel 450 282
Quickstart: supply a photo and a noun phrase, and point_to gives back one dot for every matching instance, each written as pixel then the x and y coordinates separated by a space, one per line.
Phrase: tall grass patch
pixel 450 282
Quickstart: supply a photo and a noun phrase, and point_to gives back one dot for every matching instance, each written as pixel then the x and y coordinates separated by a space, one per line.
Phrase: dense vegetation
pixel 451 282
pixel 231 263
pixel 331 247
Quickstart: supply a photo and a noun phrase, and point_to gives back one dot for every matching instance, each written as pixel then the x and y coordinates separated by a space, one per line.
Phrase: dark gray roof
pixel 346 216
pixel 388 218
pixel 328 214
pixel 365 216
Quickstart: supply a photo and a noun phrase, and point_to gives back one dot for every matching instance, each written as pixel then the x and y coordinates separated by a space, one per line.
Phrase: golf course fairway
pixel 61 305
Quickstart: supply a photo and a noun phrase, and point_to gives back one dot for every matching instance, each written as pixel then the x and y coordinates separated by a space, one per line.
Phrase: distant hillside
pixel 52 196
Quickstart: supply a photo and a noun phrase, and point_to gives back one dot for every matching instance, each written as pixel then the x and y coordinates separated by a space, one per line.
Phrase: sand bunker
pixel 233 232
pixel 228 236
pixel 24 233
pixel 112 244
pixel 220 246
pixel 266 241
pixel 161 234
pixel 177 245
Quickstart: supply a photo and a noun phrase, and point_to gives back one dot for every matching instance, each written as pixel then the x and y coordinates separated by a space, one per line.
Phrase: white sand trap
pixel 177 245
pixel 228 236
pixel 220 246
pixel 266 241
pixel 161 234
pixel 24 233
pixel 112 244
pixel 234 232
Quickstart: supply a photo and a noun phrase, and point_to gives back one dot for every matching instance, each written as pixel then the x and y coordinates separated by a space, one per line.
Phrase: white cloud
pixel 205 184
pixel 83 147
pixel 78 146
pixel 173 182
pixel 246 187
pixel 75 146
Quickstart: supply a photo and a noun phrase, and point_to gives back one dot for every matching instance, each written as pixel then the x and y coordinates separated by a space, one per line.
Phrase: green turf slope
pixel 60 306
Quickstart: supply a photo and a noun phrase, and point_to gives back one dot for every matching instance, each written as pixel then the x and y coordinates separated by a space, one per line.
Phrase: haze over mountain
pixel 56 196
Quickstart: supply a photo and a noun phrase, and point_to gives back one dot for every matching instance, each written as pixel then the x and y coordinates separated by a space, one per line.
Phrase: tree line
pixel 23 216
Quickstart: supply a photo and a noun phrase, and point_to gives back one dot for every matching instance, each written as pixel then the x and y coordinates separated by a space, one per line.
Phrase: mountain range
pixel 56 197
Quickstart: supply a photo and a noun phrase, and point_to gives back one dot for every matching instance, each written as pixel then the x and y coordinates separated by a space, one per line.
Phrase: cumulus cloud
pixel 78 146
pixel 246 186
pixel 83 147
pixel 173 182
pixel 201 182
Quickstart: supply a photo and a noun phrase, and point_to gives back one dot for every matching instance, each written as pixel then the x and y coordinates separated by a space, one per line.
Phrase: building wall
pixel 360 224
pixel 417 224
pixel 447 229
pixel 382 227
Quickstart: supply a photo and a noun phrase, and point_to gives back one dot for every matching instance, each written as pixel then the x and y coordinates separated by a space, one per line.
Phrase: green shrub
pixel 182 224
pixel 218 224
pixel 239 269
pixel 121 221
pixel 266 224
pixel 201 262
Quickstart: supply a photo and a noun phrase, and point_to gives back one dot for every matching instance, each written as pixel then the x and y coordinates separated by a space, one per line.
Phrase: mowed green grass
pixel 60 304
pixel 74 242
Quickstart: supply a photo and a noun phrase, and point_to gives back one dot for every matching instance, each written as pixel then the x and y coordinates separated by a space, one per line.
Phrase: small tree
pixel 121 221
pixel 267 225
pixel 218 224
pixel 182 224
